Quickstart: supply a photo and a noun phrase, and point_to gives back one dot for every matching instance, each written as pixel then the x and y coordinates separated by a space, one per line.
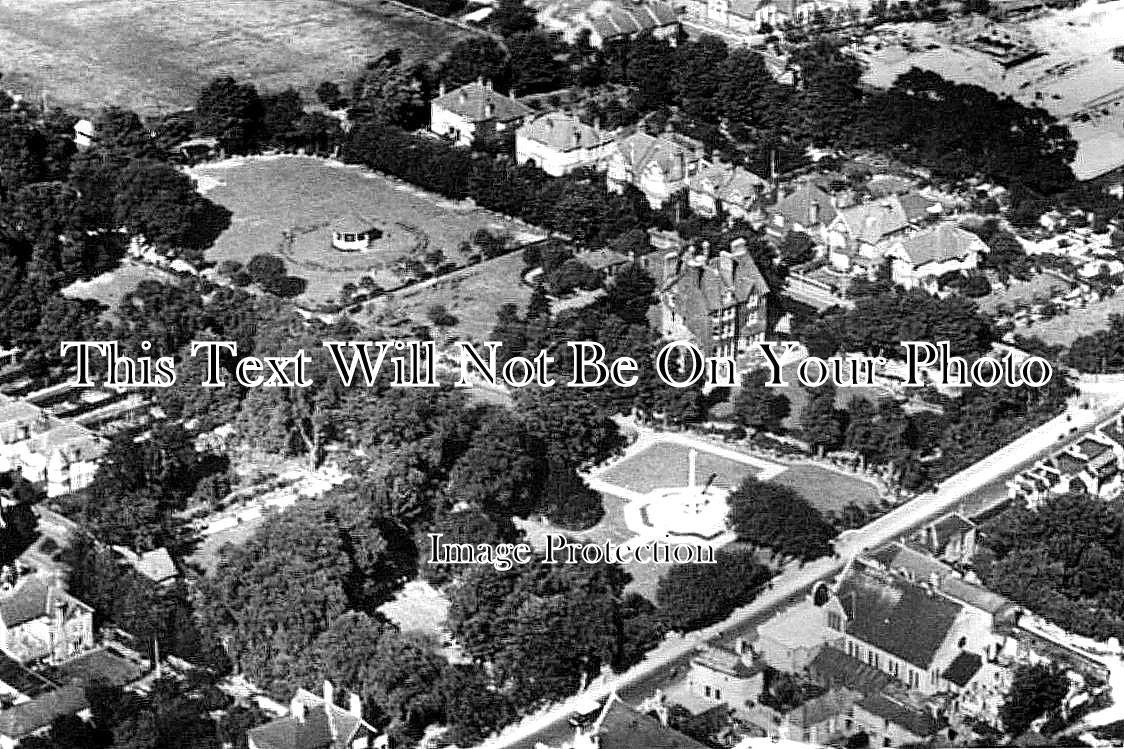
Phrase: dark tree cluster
pixel 777 517
pixel 692 596
pixel 1063 561
pixel 245 121
pixel 1099 352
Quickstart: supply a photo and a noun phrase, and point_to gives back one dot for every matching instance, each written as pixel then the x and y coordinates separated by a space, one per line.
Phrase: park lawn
pixel 111 286
pixel 306 194
pixel 664 464
pixel 828 490
pixel 472 295
pixel 153 56
pixel 1063 329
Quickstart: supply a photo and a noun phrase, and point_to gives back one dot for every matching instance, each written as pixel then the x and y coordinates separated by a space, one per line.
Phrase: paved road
pixel 550 726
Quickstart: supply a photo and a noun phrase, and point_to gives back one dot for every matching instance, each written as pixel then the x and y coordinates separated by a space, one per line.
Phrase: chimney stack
pixel 355 706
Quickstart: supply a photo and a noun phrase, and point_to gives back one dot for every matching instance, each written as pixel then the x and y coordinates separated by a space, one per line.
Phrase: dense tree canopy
pixel 773 515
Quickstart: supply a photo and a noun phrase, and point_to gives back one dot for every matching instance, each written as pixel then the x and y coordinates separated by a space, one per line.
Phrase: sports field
pixel 154 55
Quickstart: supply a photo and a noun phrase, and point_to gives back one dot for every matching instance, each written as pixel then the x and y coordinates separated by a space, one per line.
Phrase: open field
pixel 664 464
pixel 153 56
pixel 1082 321
pixel 1075 78
pixel 827 490
pixel 472 296
pixel 110 287
pixel 272 195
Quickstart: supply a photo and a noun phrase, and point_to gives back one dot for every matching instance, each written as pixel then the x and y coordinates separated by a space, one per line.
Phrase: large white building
pixel 474 110
pixel 559 143
pixel 920 259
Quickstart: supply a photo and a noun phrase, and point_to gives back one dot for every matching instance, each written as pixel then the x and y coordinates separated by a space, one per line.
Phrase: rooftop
pixel 940 244
pixel 917 722
pixel 38 713
pixel 625 20
pixel 478 102
pixel 323 726
pixel 799 205
pixel 963 667
pixel 622 727
pixel 670 154
pixel 974 595
pixel 875 220
pixel 564 132
pixel 31 599
pixel 724 661
pixel 835 668
pixel 799 626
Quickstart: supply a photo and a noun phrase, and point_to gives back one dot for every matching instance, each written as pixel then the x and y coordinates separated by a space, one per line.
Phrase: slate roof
pixel 671 155
pixel 917 565
pixel 918 208
pixel 564 132
pixel 974 595
pixel 470 102
pixel 622 727
pixel 28 717
pixel 321 722
pixel 796 207
pixel 963 667
pixel 817 710
pixel 834 667
pixel 950 526
pixel 729 183
pixel 725 661
pixel 901 618
pixel 98 666
pixel 940 244
pixel 873 221
pixel 1068 464
pixel 21 679
pixel 31 599
pixel 696 292
pixel 1092 448
pixel 626 21
pixel 917 722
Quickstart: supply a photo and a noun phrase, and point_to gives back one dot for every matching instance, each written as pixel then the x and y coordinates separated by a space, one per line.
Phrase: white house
pixel 39 620
pixel 474 110
pixel 659 166
pixel 860 235
pixel 559 143
pixel 725 189
pixel 920 259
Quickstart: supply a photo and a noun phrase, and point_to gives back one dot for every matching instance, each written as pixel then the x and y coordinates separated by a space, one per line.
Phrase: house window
pixel 963 643
pixel 717 694
pixel 834 621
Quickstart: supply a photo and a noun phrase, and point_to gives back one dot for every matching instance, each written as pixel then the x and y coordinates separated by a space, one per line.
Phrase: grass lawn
pixel 153 56
pixel 664 464
pixel 472 296
pixel 110 287
pixel 827 490
pixel 1064 328
pixel 304 195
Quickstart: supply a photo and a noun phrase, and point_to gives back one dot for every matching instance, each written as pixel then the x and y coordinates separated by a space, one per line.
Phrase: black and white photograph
pixel 561 374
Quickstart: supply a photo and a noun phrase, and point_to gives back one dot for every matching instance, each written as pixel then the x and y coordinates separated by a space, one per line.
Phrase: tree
pixel 819 422
pixel 1036 691
pixel 231 112
pixel 776 516
pixel 759 407
pixel 571 425
pixel 692 596
pixel 389 91
pixel 502 470
pixel 328 93
pixel 631 294
pixel 512 17
pixel 282 116
pixel 266 270
pixel 568 501
pixel 797 248
pixel 476 58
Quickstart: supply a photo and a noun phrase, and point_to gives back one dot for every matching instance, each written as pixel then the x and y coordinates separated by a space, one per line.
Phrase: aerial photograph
pixel 561 374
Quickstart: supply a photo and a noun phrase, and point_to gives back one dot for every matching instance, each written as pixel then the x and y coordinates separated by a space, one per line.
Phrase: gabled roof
pixel 622 727
pixel 706 287
pixel 1092 448
pixel 74 441
pixel 940 244
pixel 731 184
pixel 973 595
pixel 19 411
pixel 564 132
pixel 916 565
pixel 917 722
pixel 31 599
pixel 797 206
pixel 918 208
pixel 817 710
pixel 950 526
pixel 875 220
pixel 834 667
pixel 671 155
pixel 471 102
pixel 963 667
pixel 906 620
pixel 321 723
pixel 28 717
pixel 626 21
pixel 725 661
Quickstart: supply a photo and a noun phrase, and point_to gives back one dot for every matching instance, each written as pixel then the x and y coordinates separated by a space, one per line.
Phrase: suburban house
pixel 659 166
pixel 621 21
pixel 59 456
pixel 35 716
pixel 721 303
pixel 808 208
pixel 890 722
pixel 725 190
pixel 618 726
pixel 920 259
pixel 608 263
pixel 316 722
pixel 40 621
pixel 722 676
pixel 950 538
pixel 748 17
pixel 859 236
pixel 559 143
pixel 473 111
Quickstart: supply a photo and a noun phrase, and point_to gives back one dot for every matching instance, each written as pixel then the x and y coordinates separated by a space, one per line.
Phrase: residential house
pixel 559 143
pixel 619 726
pixel 722 303
pixel 807 208
pixel 908 630
pixel 473 111
pixel 859 236
pixel 62 459
pixel 790 640
pixel 156 565
pixel 622 21
pixel 890 722
pixel 608 263
pixel 950 538
pixel 660 166
pixel 921 259
pixel 725 677
pixel 35 716
pixel 316 722
pixel 817 717
pixel 725 190
pixel 40 621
